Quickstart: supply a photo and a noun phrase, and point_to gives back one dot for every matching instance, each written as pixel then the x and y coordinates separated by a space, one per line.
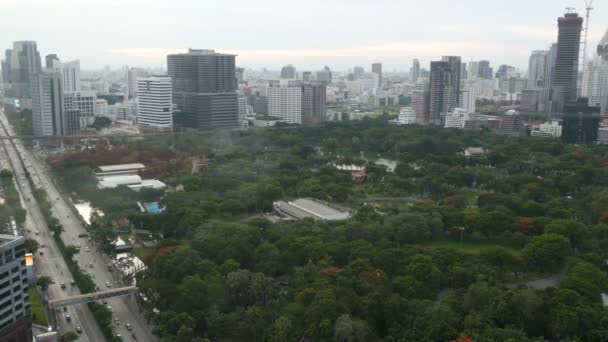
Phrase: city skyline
pixel 313 34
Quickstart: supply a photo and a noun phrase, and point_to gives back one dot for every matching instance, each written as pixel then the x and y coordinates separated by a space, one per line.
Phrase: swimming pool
pixel 153 207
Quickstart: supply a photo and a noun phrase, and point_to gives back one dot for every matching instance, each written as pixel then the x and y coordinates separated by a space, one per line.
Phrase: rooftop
pixel 121 167
pixel 310 208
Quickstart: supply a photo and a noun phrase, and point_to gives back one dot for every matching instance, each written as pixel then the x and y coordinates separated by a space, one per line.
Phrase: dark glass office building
pixel 204 89
pixel 580 122
pixel 566 62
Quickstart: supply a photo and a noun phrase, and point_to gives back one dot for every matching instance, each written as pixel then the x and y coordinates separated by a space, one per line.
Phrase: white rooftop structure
pixel 310 208
pixel 122 168
pixel 110 182
pixel 148 184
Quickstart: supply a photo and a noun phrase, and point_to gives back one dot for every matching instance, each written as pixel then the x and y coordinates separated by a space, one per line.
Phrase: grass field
pixel 38 314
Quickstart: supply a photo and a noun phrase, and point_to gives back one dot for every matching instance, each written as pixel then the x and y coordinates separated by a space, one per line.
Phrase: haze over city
pixel 309 34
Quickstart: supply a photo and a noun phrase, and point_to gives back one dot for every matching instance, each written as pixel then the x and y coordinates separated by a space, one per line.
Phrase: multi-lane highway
pixel 49 261
pixel 90 258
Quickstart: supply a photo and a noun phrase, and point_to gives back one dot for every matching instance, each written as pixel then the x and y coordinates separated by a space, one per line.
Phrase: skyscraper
pixel 155 103
pixel 288 72
pixel 20 64
pixel 463 71
pixel 566 61
pixel 484 71
pixel 544 101
pixel 473 70
pixel 377 69
pixel 324 75
pixel 441 91
pixel 204 88
pixel 420 102
pixel 314 97
pixel 602 47
pixel 415 71
pixel 15 321
pixel 580 122
pixel 357 72
pixel 70 74
pixel 132 75
pixel 78 111
pixel 47 103
pixel 537 69
pixel 49 60
pixel 285 101
pixel 456 67
pixel 306 76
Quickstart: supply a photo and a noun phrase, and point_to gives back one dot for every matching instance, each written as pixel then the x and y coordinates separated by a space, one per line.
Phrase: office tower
pixel 132 75
pixel 468 99
pixel 47 103
pixel 324 75
pixel 204 89
pixel 101 107
pixel 544 101
pixel 78 111
pixel 530 100
pixel 441 91
pixel 506 71
pixel 566 62
pixel 473 70
pixel 70 74
pixel 377 69
pixel 537 68
pixel 20 64
pixel 306 76
pixel 455 66
pixel 420 102
pixel 602 47
pixel 314 98
pixel 595 83
pixel 49 59
pixel 260 104
pixel 15 321
pixel 357 72
pixel 155 103
pixel 288 72
pixel 285 101
pixel 240 75
pixel 484 71
pixel 463 71
pixel 415 71
pixel 580 122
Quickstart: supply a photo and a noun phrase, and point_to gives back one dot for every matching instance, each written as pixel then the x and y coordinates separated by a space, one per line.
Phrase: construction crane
pixel 589 8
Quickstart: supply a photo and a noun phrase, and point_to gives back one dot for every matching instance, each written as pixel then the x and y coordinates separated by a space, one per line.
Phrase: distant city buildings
pixel 377 69
pixel 155 103
pixel 18 67
pixel 415 71
pixel 484 70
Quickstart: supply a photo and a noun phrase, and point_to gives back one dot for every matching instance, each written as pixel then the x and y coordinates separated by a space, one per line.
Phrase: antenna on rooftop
pixel 589 8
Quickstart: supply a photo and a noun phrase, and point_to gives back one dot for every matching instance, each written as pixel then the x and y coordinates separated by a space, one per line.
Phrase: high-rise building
pixel 101 107
pixel 288 72
pixel 78 111
pixel 595 84
pixel 314 98
pixel 18 67
pixel 441 91
pixel 602 47
pixel 580 122
pixel 132 75
pixel 240 75
pixel 324 75
pixel 537 69
pixel 463 71
pixel 49 59
pixel 357 72
pixel 420 102
pixel 544 100
pixel 565 79
pixel 47 103
pixel 306 76
pixel 473 70
pixel 468 99
pixel 285 101
pixel 70 74
pixel 15 321
pixel 415 71
pixel 155 103
pixel 456 67
pixel 377 69
pixel 204 89
pixel 484 70
pixel 530 100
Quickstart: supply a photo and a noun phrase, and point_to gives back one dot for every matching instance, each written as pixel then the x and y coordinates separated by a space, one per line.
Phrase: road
pixel 51 263
pixel 124 308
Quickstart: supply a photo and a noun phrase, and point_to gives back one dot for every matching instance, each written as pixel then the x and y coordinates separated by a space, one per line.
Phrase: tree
pixel 546 251
pixel 586 279
pixel 69 336
pixel 101 122
pixel 31 245
pixel 71 251
pixel 347 329
pixel 43 281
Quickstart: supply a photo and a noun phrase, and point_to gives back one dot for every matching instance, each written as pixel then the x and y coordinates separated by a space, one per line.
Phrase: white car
pixel 108 284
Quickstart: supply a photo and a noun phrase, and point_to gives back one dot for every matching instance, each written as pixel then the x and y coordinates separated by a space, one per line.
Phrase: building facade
pixel 415 71
pixel 288 72
pixel 537 68
pixel 377 69
pixel 484 70
pixel 456 118
pixel 285 102
pixel 441 91
pixel 47 103
pixel 79 111
pixel 70 74
pixel 204 89
pixel 155 103
pixel 314 98
pixel 565 79
pixel 19 66
pixel 132 75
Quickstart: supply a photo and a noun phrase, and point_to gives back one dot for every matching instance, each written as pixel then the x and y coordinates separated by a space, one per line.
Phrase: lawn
pixel 38 314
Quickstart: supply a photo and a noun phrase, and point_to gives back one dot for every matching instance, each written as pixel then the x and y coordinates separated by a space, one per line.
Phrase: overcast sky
pixel 306 33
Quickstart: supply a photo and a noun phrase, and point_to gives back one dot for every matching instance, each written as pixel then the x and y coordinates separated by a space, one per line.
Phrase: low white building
pixel 551 128
pixel 456 119
pixel 602 135
pixel 407 116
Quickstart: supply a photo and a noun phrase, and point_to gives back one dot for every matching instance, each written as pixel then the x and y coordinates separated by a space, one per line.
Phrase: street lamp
pixel 461 232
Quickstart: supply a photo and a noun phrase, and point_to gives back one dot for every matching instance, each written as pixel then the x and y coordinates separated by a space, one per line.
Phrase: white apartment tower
pixel 285 101
pixel 47 103
pixel 154 105
pixel 132 75
pixel 468 99
pixel 70 74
